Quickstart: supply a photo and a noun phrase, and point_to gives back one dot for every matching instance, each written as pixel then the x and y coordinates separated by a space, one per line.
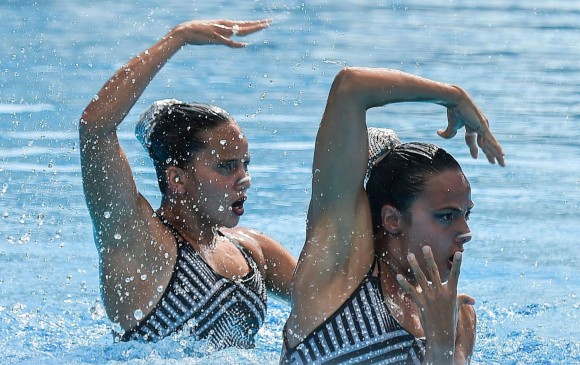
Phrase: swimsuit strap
pixel 245 252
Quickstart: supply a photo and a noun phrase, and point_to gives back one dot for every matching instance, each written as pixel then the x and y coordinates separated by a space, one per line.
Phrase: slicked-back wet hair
pixel 400 177
pixel 177 135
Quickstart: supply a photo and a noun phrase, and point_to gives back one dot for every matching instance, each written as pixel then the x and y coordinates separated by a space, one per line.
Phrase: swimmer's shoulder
pixel 251 239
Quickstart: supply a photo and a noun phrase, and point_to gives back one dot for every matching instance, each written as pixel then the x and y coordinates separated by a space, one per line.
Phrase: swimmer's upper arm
pixel 336 216
pixel 115 205
pixel 276 263
pixel 338 251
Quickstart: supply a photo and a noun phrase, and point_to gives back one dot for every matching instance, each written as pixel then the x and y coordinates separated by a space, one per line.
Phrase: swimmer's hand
pixel 203 32
pixel 437 303
pixel 466 113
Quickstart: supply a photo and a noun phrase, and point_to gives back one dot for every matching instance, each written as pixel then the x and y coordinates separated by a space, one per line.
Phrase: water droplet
pixel 221 208
pixel 24 239
pixel 144 277
pixel 18 307
pixel 160 288
pixel 138 314
pixel 117 236
pixel 223 142
pixel 107 215
pixel 117 328
pixel 5 215
pixel 129 279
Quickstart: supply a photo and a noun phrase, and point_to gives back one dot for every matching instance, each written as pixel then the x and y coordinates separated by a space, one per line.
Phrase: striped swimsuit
pixel 211 307
pixel 361 331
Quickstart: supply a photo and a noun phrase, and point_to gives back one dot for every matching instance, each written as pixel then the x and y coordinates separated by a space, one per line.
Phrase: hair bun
pixel 148 120
pixel 381 141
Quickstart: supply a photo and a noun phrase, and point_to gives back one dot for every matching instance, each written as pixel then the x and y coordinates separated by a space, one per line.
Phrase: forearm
pixel 354 91
pixel 114 101
pixel 372 87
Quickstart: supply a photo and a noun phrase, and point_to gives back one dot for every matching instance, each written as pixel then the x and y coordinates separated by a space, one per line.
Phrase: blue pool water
pixel 518 59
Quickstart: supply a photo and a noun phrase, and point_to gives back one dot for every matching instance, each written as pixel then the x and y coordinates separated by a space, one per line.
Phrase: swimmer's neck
pixel 190 228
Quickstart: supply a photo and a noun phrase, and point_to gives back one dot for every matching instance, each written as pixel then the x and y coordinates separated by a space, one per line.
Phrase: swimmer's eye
pixel 451 216
pixel 445 217
pixel 228 167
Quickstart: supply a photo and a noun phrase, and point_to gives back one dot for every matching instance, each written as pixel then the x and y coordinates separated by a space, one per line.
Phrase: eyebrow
pixel 455 209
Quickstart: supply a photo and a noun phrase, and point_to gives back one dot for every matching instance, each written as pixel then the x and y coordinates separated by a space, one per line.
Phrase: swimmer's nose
pixel 463 238
pixel 244 183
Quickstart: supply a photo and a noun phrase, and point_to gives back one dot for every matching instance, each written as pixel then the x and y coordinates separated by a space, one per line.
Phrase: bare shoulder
pixel 466 332
pixel 264 248
pixel 249 238
pixel 467 317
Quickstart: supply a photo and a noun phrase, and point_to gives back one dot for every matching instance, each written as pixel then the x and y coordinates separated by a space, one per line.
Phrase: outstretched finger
pixel 242 28
pixel 452 126
pixel 491 148
pixel 408 288
pixel 432 266
pixel 417 272
pixel 230 42
pixel 471 141
pixel 455 270
pixel 245 28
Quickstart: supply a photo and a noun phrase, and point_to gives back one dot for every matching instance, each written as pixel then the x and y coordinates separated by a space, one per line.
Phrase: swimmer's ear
pixel 175 179
pixel 391 219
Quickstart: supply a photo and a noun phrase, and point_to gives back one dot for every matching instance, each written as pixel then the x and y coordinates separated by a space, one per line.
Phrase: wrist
pixel 455 96
pixel 441 346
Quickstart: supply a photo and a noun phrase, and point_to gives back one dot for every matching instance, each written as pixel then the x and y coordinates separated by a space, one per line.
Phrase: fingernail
pixel 411 257
pixel 426 249
pixel 458 255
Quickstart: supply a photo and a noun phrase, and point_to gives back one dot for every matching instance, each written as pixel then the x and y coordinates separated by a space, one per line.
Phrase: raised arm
pixel 110 191
pixel 339 247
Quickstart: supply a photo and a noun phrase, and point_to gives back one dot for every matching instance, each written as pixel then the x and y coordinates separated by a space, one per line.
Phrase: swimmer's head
pixel 170 130
pixel 401 176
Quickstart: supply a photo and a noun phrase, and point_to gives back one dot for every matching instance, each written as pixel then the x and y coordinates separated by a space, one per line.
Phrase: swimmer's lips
pixel 238 206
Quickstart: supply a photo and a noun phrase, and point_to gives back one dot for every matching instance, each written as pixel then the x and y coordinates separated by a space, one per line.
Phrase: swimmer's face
pixel 218 176
pixel 439 217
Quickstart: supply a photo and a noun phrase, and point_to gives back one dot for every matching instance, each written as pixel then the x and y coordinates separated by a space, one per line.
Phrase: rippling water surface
pixel 519 60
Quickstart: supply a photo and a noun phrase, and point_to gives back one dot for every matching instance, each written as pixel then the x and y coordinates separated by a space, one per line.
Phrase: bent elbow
pixel 349 86
pixel 346 80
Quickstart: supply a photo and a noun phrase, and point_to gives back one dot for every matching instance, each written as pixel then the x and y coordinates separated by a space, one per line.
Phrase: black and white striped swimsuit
pixel 361 331
pixel 227 313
